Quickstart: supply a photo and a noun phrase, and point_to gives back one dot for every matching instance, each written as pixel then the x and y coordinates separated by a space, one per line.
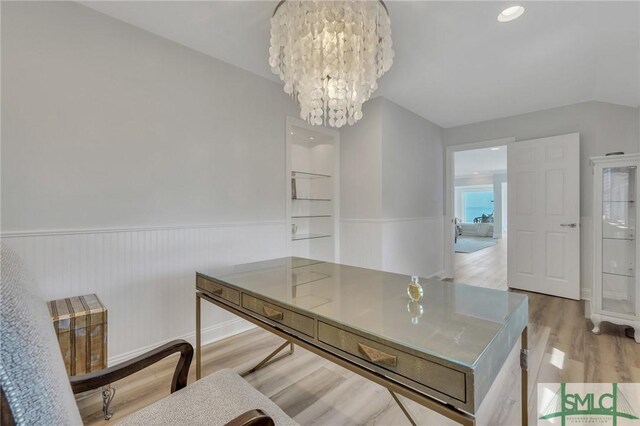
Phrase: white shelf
pixel 308 175
pixel 301 237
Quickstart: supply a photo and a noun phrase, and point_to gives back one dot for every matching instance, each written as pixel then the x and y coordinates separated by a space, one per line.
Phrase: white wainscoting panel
pixel 411 246
pixel 146 277
pixel 361 243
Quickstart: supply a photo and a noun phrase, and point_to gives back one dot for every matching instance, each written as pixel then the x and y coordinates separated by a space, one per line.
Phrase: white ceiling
pixel 480 162
pixel 455 63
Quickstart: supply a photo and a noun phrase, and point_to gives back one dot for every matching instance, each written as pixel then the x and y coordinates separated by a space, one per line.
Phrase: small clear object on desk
pixel 416 310
pixel 414 290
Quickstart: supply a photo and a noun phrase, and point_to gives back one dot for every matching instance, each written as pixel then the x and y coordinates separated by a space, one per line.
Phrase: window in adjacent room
pixel 477 203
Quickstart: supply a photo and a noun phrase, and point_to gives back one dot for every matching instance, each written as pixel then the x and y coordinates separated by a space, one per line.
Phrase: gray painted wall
pixel 412 168
pixel 391 165
pixel 360 165
pixel 603 128
pixel 106 125
pixel 391 191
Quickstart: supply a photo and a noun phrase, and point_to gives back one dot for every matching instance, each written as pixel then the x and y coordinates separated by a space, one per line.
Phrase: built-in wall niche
pixel 312 190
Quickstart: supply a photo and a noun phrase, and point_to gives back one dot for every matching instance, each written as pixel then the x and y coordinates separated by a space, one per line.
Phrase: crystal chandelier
pixel 329 54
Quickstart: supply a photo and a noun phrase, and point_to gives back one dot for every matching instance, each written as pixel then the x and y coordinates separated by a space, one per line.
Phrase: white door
pixel 544 215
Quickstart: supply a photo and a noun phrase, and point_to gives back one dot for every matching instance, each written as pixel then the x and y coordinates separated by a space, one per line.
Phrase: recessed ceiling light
pixel 311 138
pixel 511 13
pixel 495 148
pixel 475 173
pixel 291 132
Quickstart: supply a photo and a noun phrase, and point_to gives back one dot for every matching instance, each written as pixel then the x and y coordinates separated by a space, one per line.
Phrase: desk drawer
pixel 435 376
pixel 219 290
pixel 275 313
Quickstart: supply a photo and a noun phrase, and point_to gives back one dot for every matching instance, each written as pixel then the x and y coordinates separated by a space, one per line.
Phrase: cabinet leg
pixel 596 326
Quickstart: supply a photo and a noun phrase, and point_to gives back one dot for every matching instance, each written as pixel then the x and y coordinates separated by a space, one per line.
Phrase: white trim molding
pixel 49 232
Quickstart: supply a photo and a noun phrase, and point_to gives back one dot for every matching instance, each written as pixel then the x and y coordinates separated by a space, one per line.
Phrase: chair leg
pixel 107 396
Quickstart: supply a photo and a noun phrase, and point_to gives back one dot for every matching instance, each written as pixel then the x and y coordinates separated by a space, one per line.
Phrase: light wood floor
pixel 484 268
pixel 316 392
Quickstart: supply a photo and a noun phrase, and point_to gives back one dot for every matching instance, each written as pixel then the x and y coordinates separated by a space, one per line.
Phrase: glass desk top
pixel 455 322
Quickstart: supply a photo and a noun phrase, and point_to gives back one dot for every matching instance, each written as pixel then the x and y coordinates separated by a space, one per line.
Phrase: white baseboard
pixel 209 335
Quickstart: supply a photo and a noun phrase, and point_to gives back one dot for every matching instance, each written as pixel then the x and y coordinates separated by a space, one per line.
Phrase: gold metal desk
pixel 443 353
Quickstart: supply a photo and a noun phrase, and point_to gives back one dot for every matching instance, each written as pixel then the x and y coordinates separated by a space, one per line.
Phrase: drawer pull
pixel 272 313
pixel 217 291
pixel 377 356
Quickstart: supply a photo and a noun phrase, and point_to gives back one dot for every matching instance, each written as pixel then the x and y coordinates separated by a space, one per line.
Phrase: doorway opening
pixel 477 225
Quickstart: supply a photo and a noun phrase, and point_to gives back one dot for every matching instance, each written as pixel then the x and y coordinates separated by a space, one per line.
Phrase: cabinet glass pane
pixel 618 294
pixel 619 257
pixel 619 184
pixel 618 220
pixel 618 240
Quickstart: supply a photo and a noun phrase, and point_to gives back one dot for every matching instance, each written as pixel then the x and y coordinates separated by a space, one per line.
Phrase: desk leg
pixel 271 358
pixel 524 360
pixel 198 339
pixel 403 408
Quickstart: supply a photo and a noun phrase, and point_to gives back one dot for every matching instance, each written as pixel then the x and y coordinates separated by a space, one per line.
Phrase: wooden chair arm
pixel 252 418
pixel 6 416
pixel 109 375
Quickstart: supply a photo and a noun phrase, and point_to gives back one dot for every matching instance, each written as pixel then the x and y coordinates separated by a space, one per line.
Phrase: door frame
pixel 449 204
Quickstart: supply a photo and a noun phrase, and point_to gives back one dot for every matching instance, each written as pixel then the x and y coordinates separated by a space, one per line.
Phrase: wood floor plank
pixel 308 391
pixel 286 372
pixel 365 403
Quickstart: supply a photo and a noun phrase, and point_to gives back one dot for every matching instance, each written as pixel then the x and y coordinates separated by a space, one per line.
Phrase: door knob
pixel 569 225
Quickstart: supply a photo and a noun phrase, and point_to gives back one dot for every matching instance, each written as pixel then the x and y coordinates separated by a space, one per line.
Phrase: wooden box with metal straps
pixel 81 326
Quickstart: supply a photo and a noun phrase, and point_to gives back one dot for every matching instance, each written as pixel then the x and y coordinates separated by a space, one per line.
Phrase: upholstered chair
pixel 36 390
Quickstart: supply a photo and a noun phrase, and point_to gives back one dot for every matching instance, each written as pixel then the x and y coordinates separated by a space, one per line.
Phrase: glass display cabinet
pixel 614 296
